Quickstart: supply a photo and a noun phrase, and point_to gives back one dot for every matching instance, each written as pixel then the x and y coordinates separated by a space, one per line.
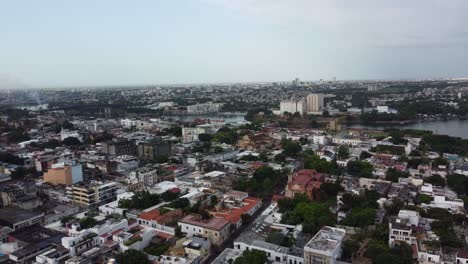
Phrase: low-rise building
pixel 325 246
pixel 217 229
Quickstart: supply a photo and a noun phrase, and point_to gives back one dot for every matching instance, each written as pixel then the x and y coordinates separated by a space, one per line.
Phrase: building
pixel 153 149
pixel 160 221
pixel 190 134
pixel 16 218
pixel 462 256
pixel 256 141
pixel 204 108
pixel 401 227
pixel 148 175
pixel 314 103
pixel 216 229
pixel 198 247
pixel 304 182
pixel 64 133
pixel 119 147
pixel 325 246
pixel 66 174
pixel 293 106
pixel 93 194
pixel 125 164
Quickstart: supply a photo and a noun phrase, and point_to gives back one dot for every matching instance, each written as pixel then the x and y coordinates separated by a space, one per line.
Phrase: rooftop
pixel 14 215
pixel 216 223
pixel 327 240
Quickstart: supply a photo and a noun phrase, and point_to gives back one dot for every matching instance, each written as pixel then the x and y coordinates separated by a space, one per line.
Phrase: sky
pixel 56 43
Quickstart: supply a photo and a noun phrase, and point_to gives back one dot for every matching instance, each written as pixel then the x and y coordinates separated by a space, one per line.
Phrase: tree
pixel 253 256
pixel 424 198
pixel 205 137
pixel 71 141
pixel 87 222
pixel 169 196
pixel 393 174
pixel 277 238
pixel 375 248
pixel 17 135
pixel 343 152
pixel 458 183
pixel 280 157
pixel 349 247
pixel 435 179
pixel 360 169
pixel 290 148
pixel 364 155
pixel 360 217
pixel 132 256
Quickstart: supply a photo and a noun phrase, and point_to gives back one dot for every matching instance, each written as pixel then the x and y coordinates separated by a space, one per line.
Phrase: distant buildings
pixel 204 108
pixel 66 174
pixel 325 246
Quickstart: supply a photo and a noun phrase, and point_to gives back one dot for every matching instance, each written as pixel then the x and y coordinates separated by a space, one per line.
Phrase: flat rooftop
pixel 15 215
pixel 327 240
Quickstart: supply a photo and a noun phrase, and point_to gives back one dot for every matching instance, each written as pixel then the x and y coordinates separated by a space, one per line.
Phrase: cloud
pixel 374 22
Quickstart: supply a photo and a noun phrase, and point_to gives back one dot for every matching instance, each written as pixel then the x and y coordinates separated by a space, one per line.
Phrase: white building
pixel 400 227
pixel 385 109
pixel 204 108
pixel 64 133
pixel 325 246
pixel 126 163
pixel 148 175
pixel 319 139
pixel 293 106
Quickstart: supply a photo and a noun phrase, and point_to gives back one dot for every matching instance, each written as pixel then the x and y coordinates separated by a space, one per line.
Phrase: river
pixel 455 128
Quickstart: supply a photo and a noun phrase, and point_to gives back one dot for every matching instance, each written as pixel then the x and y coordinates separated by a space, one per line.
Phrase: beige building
pixel 216 229
pixel 314 103
pixel 93 194
pixel 66 174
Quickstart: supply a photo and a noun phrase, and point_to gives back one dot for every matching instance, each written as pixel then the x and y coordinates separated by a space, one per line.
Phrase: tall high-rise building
pixel 314 102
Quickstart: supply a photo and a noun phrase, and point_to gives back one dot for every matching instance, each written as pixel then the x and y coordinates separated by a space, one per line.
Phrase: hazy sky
pixel 111 42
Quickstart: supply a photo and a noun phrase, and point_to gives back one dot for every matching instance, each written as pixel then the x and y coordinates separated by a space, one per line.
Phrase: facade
pixel 152 149
pixel 16 218
pixel 216 229
pixel 293 106
pixel 314 103
pixel 257 141
pixel 119 147
pixel 92 195
pixel 65 174
pixel 304 182
pixel 400 227
pixel 325 246
pixel 148 175
pixel 190 134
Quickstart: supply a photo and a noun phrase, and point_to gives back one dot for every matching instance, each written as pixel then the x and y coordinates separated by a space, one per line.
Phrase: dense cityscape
pixel 295 172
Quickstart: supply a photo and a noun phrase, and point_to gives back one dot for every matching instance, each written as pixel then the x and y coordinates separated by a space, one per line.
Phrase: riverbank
pixel 455 127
